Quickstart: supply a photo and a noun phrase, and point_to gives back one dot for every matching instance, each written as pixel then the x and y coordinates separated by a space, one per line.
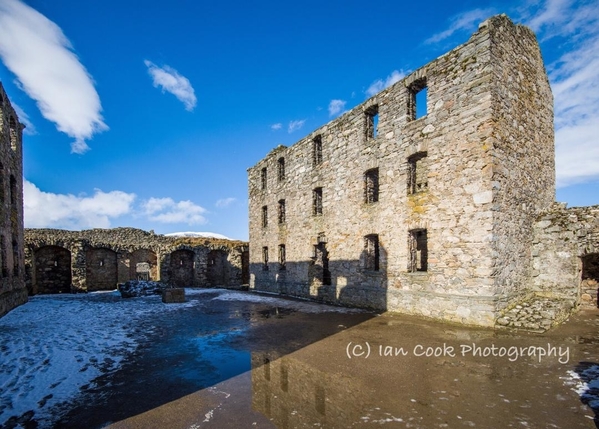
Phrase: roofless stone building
pixel 12 277
pixel 59 261
pixel 434 197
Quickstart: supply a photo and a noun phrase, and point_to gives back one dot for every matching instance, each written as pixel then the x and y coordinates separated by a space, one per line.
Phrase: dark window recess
pixel 13 190
pixel 371 116
pixel 281 169
pixel 281 211
pixel 3 255
pixel 263 178
pixel 264 216
pixel 282 257
pixel 317 150
pixel 417 100
pixel 371 252
pixel 371 186
pixel 417 173
pixel 317 201
pixel 418 249
pixel 15 257
pixel 265 258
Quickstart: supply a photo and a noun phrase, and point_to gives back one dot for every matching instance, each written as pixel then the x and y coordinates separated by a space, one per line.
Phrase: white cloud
pixel 225 202
pixel 171 81
pixel 336 107
pixel 467 21
pixel 166 210
pixel 378 85
pixel 39 54
pixel 574 80
pixel 276 126
pixel 295 125
pixel 49 210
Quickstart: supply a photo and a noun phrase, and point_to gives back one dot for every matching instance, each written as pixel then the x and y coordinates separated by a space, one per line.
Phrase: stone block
pixel 174 295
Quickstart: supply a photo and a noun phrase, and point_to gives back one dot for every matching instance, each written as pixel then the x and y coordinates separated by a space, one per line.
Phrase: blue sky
pixel 148 114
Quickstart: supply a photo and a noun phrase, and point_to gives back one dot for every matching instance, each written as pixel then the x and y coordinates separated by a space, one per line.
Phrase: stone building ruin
pixel 59 261
pixel 435 197
pixel 12 275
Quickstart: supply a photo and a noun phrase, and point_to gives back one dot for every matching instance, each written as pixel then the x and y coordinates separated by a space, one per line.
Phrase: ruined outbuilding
pixel 435 197
pixel 12 275
pixel 59 261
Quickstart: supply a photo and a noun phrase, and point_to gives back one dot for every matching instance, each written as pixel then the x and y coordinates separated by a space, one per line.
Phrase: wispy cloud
pixel 380 84
pixel 467 21
pixel 295 125
pixel 171 81
pixel 41 57
pixel 336 107
pixel 225 202
pixel 276 126
pixel 574 80
pixel 166 210
pixel 49 210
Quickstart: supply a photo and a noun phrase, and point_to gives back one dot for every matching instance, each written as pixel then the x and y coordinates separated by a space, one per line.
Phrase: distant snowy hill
pixel 198 235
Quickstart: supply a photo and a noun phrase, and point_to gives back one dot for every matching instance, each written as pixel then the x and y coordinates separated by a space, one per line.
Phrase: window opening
pixel 281 211
pixel 317 201
pixel 417 173
pixel 371 186
pixel 263 178
pixel 371 251
pixel 317 150
pixel 281 169
pixel 417 102
pixel 418 248
pixel 372 121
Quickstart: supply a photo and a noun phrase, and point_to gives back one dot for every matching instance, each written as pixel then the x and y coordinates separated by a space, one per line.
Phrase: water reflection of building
pixel 295 394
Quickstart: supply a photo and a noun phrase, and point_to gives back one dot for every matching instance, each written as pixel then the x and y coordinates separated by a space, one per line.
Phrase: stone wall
pixel 12 273
pixel 58 261
pixel 431 214
pixel 565 253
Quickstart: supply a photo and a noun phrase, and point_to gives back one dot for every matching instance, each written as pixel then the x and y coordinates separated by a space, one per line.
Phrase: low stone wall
pixel 78 261
pixel 565 251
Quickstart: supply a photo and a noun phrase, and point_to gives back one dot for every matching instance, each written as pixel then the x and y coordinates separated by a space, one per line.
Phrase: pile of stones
pixel 134 288
pixel 537 315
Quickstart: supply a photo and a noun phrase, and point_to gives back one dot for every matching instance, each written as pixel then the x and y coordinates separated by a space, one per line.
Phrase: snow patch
pixel 197 235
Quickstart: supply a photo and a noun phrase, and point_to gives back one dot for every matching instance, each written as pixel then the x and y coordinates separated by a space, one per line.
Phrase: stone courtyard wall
pixel 563 239
pixel 59 261
pixel 430 214
pixel 12 273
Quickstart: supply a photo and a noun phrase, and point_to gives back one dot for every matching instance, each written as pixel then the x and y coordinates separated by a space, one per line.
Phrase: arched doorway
pixel 217 265
pixel 101 269
pixel 52 270
pixel 182 268
pixel 143 265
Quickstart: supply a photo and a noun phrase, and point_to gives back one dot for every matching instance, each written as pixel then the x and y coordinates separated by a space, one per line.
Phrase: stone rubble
pixel 537 315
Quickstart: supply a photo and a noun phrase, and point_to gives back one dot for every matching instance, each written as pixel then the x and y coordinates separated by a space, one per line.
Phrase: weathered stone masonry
pixel 432 214
pixel 12 274
pixel 58 261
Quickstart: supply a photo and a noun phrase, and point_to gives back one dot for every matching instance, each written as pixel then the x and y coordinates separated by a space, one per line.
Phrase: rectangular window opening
pixel 282 256
pixel 371 252
pixel 418 99
pixel 418 248
pixel 317 150
pixel 281 211
pixel 372 121
pixel 317 202
pixel 263 178
pixel 281 169
pixel 265 258
pixel 371 186
pixel 417 173
pixel 264 216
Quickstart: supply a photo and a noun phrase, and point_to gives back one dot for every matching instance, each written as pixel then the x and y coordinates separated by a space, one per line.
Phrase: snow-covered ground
pixel 197 235
pixel 55 345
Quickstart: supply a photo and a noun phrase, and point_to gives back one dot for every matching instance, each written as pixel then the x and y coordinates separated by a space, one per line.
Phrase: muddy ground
pixel 240 364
